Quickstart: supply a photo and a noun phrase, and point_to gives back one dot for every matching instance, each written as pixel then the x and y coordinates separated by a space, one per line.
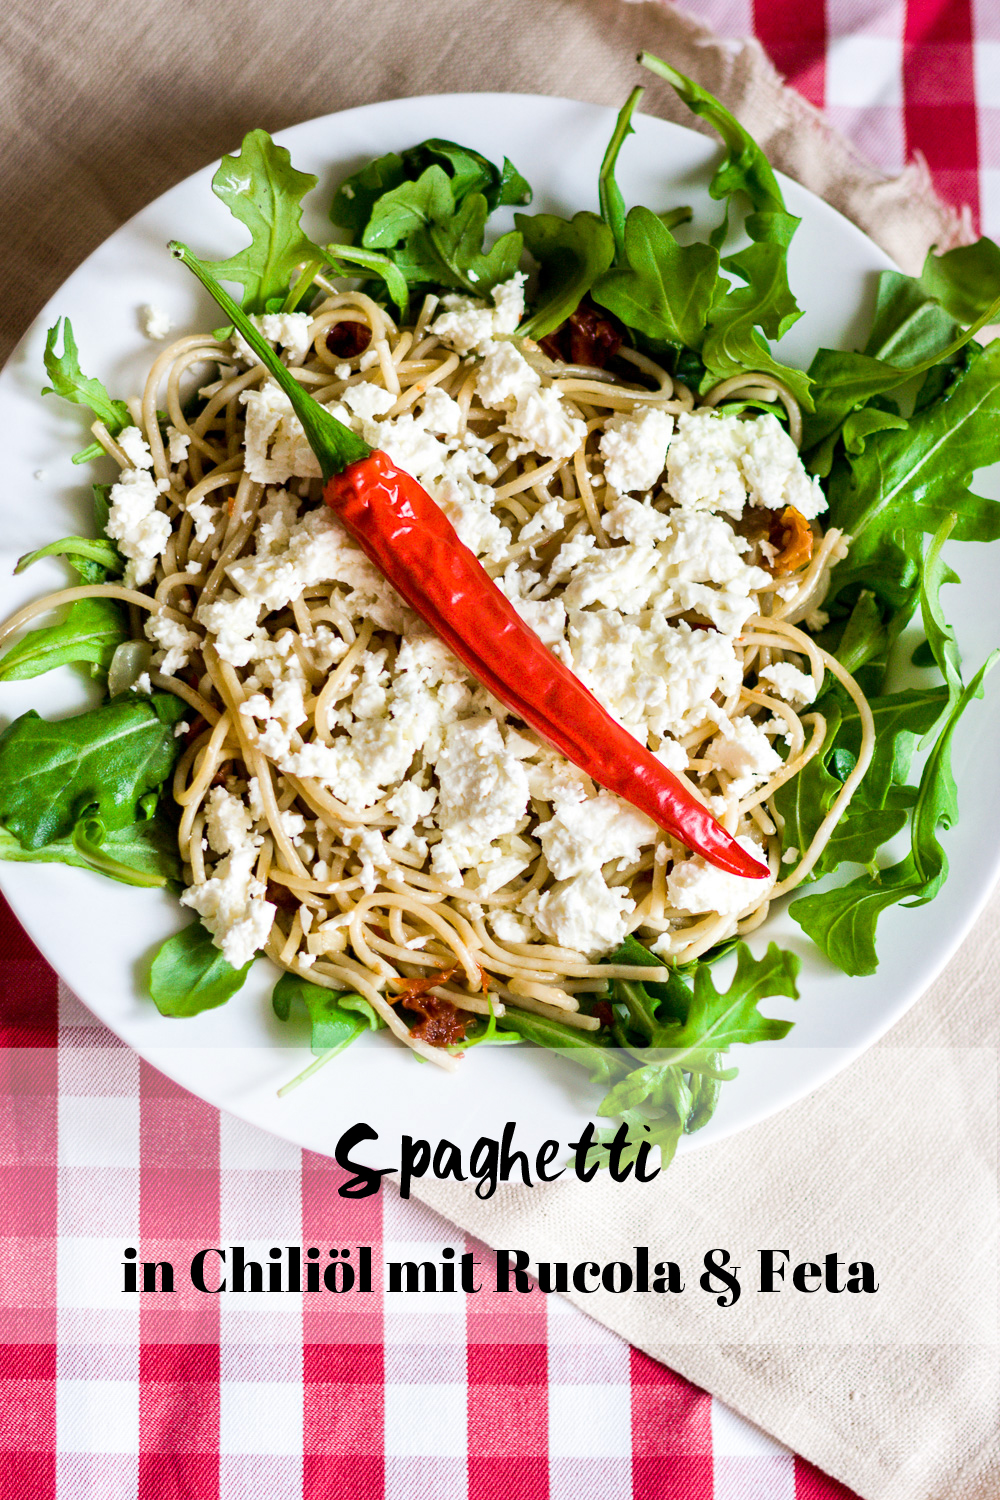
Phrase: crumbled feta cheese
pixel 276 446
pixel 175 642
pixel 231 905
pixel 703 471
pixel 583 836
pixel 287 330
pixel 634 448
pixel 483 789
pixel 155 323
pixel 134 522
pixel 789 855
pixel 774 472
pixel 583 914
pixel 508 928
pixel 135 448
pixel 367 400
pixel 695 886
pixel 724 463
pixel 440 412
pixel 142 684
pixel 228 823
pixel 468 323
pixel 505 375
pixel 743 750
pixel 178 444
pixel 797 688
pixel 230 623
pixel 542 423
pixel 410 804
pixel 635 520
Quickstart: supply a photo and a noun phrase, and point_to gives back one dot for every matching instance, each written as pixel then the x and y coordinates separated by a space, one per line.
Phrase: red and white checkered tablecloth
pixel 107 1396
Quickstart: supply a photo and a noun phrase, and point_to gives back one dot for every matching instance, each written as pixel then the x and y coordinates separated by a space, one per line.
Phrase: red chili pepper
pixel 407 536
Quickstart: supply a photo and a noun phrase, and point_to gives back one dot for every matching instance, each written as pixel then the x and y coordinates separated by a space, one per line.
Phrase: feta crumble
pixel 154 322
pixel 634 448
pixel 697 887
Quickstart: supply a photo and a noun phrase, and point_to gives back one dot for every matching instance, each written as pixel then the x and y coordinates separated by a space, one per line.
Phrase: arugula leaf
pixel 842 921
pixel 91 631
pixel 379 265
pixel 434 240
pixel 804 801
pixel 146 849
pixel 966 280
pixel 582 1047
pixel 909 325
pixel 397 213
pixel 189 974
pixel 99 551
pixel 912 334
pixel 739 316
pixel 458 246
pixel 572 254
pixel 470 172
pixel 662 289
pixel 901 720
pixel 676 1034
pixel 106 760
pixel 717 1020
pixel 467 170
pixel 733 343
pixel 940 636
pixel 263 190
pixel 336 1017
pixel 69 381
pixel 745 168
pixel 609 195
pixel 917 477
pixel 357 195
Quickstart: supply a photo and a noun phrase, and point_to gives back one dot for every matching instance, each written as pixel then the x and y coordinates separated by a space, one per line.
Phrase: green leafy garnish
pixel 144 853
pixel 336 1018
pixel 105 760
pixel 91 631
pixel 662 1054
pixel 69 381
pixel 572 253
pixel 262 189
pixel 661 289
pixel 426 211
pixel 99 552
pixel 189 974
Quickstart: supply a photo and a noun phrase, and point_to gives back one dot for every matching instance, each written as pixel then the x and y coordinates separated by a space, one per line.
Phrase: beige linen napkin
pixel 898 1398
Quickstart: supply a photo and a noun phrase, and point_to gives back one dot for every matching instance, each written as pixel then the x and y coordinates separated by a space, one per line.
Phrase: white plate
pixel 98 935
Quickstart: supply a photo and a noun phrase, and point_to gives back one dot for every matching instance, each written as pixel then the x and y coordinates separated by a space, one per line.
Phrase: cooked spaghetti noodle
pixel 367 891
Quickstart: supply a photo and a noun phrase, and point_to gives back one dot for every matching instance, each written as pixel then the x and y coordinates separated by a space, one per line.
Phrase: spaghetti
pixel 368 891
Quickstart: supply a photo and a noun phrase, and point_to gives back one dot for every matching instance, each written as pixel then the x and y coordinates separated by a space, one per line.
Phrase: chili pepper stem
pixel 334 445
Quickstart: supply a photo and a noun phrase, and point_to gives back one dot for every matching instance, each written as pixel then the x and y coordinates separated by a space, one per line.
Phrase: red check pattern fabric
pixel 899 78
pixel 112 1395
pixel 106 1395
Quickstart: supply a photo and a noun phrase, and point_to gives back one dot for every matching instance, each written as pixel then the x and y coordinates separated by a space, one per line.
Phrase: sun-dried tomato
pixel 791 534
pixel 602 1010
pixel 588 337
pixel 282 895
pixel 347 338
pixel 198 726
pixel 443 1023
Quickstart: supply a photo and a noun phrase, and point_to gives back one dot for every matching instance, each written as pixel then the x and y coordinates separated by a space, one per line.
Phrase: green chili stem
pixel 334 445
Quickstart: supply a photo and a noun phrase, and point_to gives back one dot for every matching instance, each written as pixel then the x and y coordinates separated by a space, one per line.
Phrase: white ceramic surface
pixel 98 935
